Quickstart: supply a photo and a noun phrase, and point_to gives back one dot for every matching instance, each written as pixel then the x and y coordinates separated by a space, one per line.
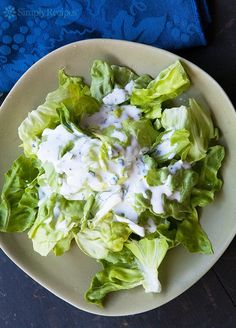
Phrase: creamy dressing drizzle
pixel 116 97
pixel 119 135
pixel 178 166
pixel 44 192
pixel 80 168
pixel 150 227
pixel 56 210
pixel 165 146
pixel 133 226
pixel 129 87
pixel 106 117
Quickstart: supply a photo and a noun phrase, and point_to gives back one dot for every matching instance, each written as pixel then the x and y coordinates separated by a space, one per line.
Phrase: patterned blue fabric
pixel 29 29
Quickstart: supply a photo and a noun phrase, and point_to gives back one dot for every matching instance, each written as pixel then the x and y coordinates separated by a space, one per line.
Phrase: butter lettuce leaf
pixel 142 81
pixel 170 83
pixel 120 272
pixel 72 93
pixel 64 244
pixel 122 75
pixel 197 121
pixel 137 264
pixel 208 183
pixel 149 254
pixel 56 219
pixel 108 235
pixel 191 235
pixel 180 185
pixel 102 79
pixel 19 198
pixel 143 130
pixel 171 144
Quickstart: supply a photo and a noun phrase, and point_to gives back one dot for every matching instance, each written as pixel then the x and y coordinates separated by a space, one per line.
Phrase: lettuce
pixel 105 77
pixel 208 183
pixel 56 219
pixel 142 81
pixel 72 93
pixel 108 235
pixel 19 198
pixel 182 185
pixel 197 121
pixel 120 272
pixel 64 244
pixel 123 75
pixel 143 130
pixel 102 79
pixel 191 235
pixel 171 144
pixel 170 83
pixel 128 269
pixel 149 255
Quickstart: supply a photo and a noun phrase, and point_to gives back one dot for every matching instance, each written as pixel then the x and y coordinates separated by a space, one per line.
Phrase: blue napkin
pixel 29 29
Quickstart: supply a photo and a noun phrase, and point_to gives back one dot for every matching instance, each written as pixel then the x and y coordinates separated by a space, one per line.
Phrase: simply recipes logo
pixel 11 12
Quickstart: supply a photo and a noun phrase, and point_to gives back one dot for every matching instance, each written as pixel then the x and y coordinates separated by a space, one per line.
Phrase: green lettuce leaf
pixel 19 198
pixel 137 264
pixel 120 272
pixel 197 121
pixel 155 176
pixel 64 244
pixel 170 83
pixel 208 183
pixel 143 130
pixel 149 254
pixel 108 235
pixel 181 184
pixel 102 79
pixel 55 220
pixel 158 227
pixel 72 92
pixel 122 75
pixel 191 235
pixel 142 81
pixel 171 144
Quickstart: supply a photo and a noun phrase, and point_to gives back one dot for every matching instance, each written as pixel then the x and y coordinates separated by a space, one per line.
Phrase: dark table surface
pixel 209 303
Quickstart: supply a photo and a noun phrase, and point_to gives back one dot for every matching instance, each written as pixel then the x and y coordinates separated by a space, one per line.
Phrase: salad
pixel 118 168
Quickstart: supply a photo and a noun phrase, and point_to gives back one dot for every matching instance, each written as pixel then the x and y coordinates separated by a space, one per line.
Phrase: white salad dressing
pixel 44 192
pixel 158 191
pixel 80 168
pixel 178 166
pixel 129 87
pixel 165 146
pixel 106 117
pixel 119 135
pixel 151 226
pixel 133 226
pixel 53 141
pixel 116 97
pixel 135 182
pixel 56 210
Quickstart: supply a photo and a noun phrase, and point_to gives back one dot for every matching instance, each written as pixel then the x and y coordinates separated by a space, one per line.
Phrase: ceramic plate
pixel 69 276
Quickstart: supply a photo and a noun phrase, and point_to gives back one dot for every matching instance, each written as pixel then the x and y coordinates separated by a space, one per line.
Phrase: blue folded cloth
pixel 29 29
